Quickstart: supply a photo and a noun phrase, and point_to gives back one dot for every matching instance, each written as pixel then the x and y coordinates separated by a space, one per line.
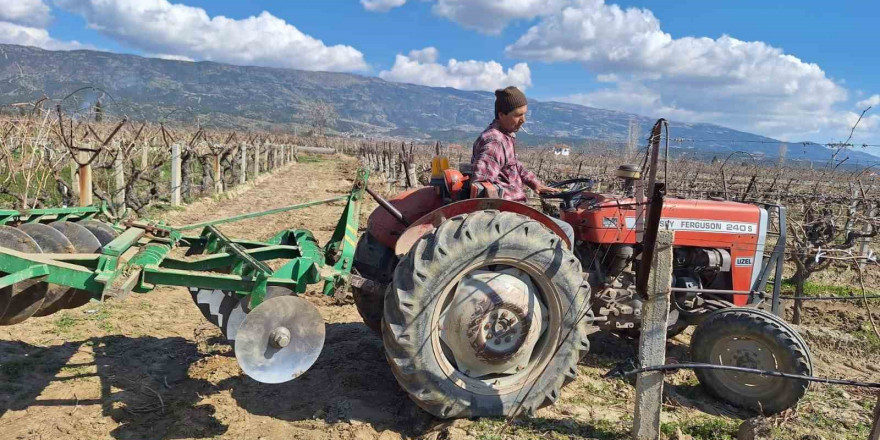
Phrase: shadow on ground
pixel 350 381
pixel 143 381
pixel 146 389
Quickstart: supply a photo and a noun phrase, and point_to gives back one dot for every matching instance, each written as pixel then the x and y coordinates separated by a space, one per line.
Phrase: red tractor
pixel 484 305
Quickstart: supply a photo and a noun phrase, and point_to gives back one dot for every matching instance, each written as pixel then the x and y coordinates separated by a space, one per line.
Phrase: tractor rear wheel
pixel 485 317
pixel 376 262
pixel 751 338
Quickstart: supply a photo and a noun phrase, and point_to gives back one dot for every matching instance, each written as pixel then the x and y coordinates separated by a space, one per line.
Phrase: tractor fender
pixel 412 204
pixel 433 219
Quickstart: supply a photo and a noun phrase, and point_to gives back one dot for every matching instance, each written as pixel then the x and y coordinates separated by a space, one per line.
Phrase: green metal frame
pixel 139 258
pixel 50 214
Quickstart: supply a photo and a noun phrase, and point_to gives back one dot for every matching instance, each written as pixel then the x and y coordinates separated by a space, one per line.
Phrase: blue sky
pixel 791 70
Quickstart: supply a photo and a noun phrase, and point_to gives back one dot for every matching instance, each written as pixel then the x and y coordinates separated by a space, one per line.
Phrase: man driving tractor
pixel 494 154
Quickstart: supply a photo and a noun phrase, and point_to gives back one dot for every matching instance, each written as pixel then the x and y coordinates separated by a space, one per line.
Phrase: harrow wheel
pixel 20 300
pixel 751 338
pixel 485 317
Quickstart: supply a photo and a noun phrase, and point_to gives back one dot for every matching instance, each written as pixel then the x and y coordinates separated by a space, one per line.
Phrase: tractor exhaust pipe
pixel 389 207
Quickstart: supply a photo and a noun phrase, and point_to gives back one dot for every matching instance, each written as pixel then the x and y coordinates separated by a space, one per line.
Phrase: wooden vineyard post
pixel 270 157
pixel 411 172
pixel 243 176
pixel 256 162
pixel 119 183
pixel 266 158
pixel 218 176
pixel 85 179
pixel 175 174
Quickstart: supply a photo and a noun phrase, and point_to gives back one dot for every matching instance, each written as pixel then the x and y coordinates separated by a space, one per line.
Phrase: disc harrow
pixel 62 258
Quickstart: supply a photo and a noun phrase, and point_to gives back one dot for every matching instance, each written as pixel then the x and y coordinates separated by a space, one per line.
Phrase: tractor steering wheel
pixel 573 188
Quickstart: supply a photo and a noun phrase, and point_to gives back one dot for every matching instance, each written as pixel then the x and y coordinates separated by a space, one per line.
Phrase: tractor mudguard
pixel 413 204
pixel 431 220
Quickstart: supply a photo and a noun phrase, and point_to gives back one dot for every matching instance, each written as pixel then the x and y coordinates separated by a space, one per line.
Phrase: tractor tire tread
pixel 375 262
pixel 409 302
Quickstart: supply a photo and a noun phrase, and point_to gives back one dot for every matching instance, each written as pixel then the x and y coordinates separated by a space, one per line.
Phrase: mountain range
pixel 224 95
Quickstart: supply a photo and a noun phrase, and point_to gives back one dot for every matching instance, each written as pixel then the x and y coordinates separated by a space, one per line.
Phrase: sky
pixel 795 71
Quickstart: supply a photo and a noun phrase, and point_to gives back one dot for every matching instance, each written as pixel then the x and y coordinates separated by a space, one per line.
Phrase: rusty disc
pixel 20 300
pixel 83 241
pixel 102 231
pixel 51 241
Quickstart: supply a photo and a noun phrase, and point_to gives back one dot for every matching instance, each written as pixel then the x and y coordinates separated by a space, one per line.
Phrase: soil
pixel 151 367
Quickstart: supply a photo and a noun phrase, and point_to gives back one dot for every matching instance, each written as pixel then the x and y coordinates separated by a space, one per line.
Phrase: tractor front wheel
pixel 485 317
pixel 751 338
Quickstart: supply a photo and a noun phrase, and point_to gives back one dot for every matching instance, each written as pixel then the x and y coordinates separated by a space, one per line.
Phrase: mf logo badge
pixel 744 261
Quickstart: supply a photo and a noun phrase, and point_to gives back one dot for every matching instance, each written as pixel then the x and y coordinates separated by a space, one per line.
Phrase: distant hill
pixel 237 96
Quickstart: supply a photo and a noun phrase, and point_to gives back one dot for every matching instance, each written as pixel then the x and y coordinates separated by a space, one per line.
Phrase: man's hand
pixel 545 190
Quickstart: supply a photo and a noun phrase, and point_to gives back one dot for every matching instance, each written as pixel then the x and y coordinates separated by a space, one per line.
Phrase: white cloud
pixel 420 67
pixel 165 56
pixel 426 55
pixel 158 26
pixel 873 101
pixel 492 16
pixel 485 16
pixel 746 85
pixel 382 5
pixel 11 33
pixel 25 12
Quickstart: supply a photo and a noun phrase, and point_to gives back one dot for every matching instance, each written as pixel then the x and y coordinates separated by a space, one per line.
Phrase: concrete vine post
pixel 74 170
pixel 175 174
pixel 119 181
pixel 652 342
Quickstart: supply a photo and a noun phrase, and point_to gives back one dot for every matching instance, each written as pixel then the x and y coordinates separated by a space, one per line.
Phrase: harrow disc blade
pixel 83 241
pixel 236 316
pixel 102 231
pixel 215 305
pixel 20 300
pixel 279 339
pixel 51 241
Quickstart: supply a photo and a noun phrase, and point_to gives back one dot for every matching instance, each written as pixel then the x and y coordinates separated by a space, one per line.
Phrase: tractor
pixel 485 306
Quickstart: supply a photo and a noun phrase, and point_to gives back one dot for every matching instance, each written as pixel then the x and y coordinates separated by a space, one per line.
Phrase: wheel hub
pixel 502 331
pixel 493 322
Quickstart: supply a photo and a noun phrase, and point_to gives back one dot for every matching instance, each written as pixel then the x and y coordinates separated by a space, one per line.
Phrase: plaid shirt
pixel 494 160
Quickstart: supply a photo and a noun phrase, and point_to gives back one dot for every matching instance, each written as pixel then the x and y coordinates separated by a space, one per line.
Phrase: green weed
pixel 64 323
pixel 708 428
